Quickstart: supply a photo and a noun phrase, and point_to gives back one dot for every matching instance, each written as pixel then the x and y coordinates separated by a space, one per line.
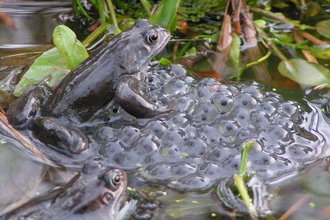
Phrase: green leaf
pixel 260 22
pixel 117 31
pixel 54 62
pixel 192 52
pixel 313 9
pixel 69 47
pixel 284 37
pixel 305 73
pixel 321 51
pixel 165 14
pixel 303 26
pixel 42 67
pixel 234 54
pixel 212 38
pixel 164 62
pixel 323 28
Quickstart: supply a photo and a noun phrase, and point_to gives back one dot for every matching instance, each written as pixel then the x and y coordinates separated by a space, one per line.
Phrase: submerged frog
pixel 113 72
pixel 96 193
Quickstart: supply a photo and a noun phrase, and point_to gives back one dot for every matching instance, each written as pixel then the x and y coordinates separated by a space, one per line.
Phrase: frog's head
pixel 104 189
pixel 142 42
pixel 154 38
pixel 114 182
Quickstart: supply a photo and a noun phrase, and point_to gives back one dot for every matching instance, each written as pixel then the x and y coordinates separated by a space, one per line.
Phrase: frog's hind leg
pixel 131 100
pixel 65 139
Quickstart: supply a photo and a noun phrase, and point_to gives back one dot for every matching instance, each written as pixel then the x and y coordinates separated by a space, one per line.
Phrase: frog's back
pixel 91 86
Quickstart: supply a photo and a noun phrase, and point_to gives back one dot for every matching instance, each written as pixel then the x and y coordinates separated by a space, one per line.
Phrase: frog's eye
pixel 112 180
pixel 116 180
pixel 153 38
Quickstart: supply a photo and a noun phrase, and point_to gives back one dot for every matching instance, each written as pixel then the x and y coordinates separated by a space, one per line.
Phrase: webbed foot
pixel 129 97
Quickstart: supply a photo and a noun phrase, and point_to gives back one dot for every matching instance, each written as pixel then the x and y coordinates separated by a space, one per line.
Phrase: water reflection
pixel 34 23
pixel 20 174
pixel 306 196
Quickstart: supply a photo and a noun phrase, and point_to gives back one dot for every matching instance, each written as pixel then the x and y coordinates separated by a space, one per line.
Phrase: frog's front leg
pixel 62 138
pixel 129 97
pixel 27 106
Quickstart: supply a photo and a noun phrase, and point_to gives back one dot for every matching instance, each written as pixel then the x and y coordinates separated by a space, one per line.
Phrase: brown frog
pixel 96 193
pixel 113 72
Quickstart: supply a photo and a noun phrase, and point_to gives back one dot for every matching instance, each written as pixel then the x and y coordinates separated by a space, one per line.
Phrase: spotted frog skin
pixel 96 193
pixel 113 72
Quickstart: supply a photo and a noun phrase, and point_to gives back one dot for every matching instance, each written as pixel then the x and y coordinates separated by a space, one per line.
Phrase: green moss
pixel 194 10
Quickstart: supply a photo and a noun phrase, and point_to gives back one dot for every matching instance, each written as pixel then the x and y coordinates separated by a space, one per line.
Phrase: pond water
pixel 34 23
pixel 19 172
pixel 180 165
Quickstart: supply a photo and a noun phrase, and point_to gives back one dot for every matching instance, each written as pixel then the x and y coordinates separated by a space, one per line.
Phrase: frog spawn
pixel 199 143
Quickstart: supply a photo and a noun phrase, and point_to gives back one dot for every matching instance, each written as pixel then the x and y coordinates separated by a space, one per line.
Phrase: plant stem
pixel 112 13
pixel 102 13
pixel 239 179
pixel 75 7
pixel 259 60
pixel 271 45
pixel 95 34
pixel 239 183
pixel 244 157
pixel 146 6
pixel 279 17
pixel 93 2
pixel 311 38
pixel 82 9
